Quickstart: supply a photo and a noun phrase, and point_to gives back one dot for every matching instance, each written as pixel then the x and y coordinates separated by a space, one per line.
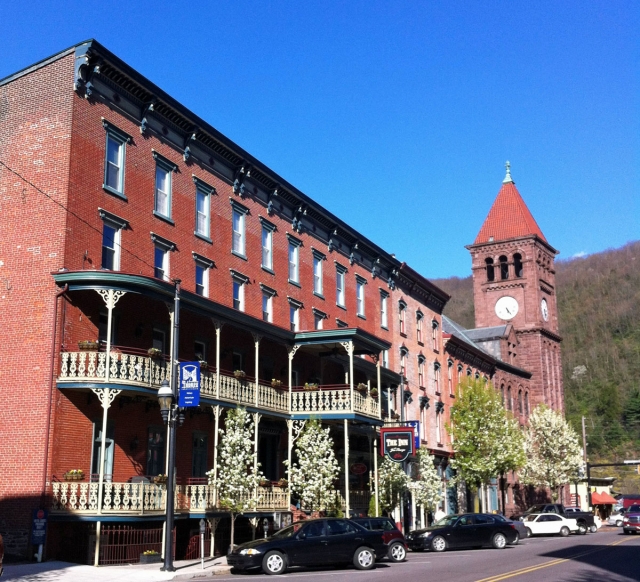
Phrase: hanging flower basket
pixel 373 393
pixel 310 386
pixel 74 475
pixel 88 346
pixel 239 374
pixel 361 387
pixel 154 353
pixel 276 383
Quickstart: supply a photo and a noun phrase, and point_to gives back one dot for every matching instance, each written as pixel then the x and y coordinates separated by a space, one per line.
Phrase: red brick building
pixel 111 191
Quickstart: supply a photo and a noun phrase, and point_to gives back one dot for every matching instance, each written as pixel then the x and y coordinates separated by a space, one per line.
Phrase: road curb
pixel 203 574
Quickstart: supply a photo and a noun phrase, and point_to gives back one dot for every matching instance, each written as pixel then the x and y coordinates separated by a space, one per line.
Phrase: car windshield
pixel 634 509
pixel 445 521
pixel 287 532
pixel 531 517
pixel 535 509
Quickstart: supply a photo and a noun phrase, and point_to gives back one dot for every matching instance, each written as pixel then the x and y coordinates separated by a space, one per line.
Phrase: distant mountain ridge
pixel 599 317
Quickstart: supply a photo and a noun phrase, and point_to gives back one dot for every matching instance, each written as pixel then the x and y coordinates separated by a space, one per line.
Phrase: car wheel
pixel 499 541
pixel 582 529
pixel 397 552
pixel 364 558
pixel 529 533
pixel 619 523
pixel 515 542
pixel 274 563
pixel 593 528
pixel 564 531
pixel 438 544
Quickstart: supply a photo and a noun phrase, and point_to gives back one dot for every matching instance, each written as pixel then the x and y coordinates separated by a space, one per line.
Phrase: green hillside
pixel 599 312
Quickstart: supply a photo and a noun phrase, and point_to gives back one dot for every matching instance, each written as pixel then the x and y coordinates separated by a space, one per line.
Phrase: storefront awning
pixel 602 499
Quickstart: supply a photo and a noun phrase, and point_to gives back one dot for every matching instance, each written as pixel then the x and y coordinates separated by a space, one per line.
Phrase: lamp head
pixel 165 398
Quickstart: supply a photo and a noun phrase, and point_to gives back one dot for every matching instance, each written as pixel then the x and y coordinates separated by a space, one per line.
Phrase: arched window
pixel 477 376
pixel 504 267
pixel 526 403
pixel 436 377
pixel 502 393
pixel 460 373
pixel 450 376
pixel 509 401
pixel 517 264
pixel 403 360
pixel 419 318
pixel 490 272
pixel 520 408
pixel 434 334
pixel 402 309
pixel 468 371
pixel 421 371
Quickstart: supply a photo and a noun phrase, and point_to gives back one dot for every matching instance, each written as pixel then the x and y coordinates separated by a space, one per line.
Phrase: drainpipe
pixel 50 396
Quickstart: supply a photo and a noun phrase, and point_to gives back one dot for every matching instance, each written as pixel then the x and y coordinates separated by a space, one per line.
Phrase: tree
pixel 392 483
pixel 238 475
pixel 487 440
pixel 427 488
pixel 313 475
pixel 553 452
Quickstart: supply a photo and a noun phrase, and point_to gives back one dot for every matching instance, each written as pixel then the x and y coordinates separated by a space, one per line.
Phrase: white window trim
pixel 242 280
pixel 169 167
pixel 360 297
pixel 341 275
pixel 203 188
pixel 318 279
pixel 270 293
pixel 384 309
pixel 123 139
pixel 118 224
pixel 242 212
pixel 206 265
pixel 166 246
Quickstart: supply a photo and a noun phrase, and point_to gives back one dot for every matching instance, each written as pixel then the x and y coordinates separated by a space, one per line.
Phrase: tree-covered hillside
pixel 599 312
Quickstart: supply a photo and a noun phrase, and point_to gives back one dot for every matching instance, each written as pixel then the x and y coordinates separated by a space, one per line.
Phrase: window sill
pixel 203 237
pixel 320 295
pixel 436 351
pixel 362 317
pixel 237 254
pixel 341 306
pixel 114 192
pixel 384 327
pixel 421 343
pixel 163 217
pixel 403 334
pixel 295 283
pixel 268 270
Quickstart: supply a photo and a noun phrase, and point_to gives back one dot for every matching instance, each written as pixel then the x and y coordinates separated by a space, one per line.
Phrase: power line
pixel 71 212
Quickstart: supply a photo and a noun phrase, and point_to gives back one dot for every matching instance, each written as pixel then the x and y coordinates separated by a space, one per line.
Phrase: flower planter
pixel 150 558
pixel 88 346
pixel 73 476
pixel 239 374
pixel 362 388
pixel 310 387
pixel 160 480
pixel 154 353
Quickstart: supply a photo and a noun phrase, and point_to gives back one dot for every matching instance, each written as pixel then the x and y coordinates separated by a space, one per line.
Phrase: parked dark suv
pixel 391 535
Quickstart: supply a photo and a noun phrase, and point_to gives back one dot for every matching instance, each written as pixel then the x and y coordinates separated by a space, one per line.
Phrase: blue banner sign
pixel 189 385
pixel 38 527
pixel 415 424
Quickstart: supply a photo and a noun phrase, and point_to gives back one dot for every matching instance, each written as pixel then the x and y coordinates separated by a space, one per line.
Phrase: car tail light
pixel 512 526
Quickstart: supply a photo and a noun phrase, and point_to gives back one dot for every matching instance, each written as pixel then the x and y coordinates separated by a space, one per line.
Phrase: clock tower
pixel 514 282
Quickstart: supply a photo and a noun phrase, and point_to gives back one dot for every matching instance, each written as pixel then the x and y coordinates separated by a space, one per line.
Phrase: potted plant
pixel 361 387
pixel 374 393
pixel 265 483
pixel 88 345
pixel 310 386
pixel 150 557
pixel 395 416
pixel 154 353
pixel 74 475
pixel 239 374
pixel 160 479
pixel 276 383
pixel 283 482
pixel 203 365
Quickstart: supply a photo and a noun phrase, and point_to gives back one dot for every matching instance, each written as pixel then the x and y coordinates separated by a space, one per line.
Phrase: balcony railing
pixel 149 498
pixel 144 371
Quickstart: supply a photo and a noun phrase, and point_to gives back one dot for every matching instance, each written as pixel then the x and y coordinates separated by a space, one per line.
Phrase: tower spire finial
pixel 508 179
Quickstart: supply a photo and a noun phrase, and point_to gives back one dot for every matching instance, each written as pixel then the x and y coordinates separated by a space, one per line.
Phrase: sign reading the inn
pixel 189 384
pixel 397 443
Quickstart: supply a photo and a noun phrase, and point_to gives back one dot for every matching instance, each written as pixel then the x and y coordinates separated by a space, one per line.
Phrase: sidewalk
pixel 67 572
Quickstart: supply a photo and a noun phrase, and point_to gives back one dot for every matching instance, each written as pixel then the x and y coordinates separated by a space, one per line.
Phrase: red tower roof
pixel 509 216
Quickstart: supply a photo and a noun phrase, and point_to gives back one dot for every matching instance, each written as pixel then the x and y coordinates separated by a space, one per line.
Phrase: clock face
pixel 544 309
pixel 506 307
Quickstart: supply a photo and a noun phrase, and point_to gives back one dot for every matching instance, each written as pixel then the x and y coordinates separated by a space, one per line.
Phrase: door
pixel 199 455
pixel 463 534
pixel 343 540
pixel 553 523
pixel 156 461
pixel 310 545
pixel 485 528
pixel 97 448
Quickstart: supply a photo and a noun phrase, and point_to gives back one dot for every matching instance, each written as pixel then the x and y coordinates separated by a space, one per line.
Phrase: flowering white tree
pixel 427 488
pixel 238 477
pixel 313 475
pixel 487 440
pixel 552 447
pixel 392 483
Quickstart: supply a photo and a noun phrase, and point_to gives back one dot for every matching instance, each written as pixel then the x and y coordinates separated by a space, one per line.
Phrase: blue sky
pixel 397 116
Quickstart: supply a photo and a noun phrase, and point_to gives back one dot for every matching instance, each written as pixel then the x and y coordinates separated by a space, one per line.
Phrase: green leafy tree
pixel 553 452
pixel 487 440
pixel 313 475
pixel 238 477
pixel 392 483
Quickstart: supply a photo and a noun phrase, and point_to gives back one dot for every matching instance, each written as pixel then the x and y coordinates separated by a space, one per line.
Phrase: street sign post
pixel 397 443
pixel 189 385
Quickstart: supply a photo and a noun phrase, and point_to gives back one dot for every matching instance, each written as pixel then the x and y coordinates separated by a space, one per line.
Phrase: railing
pixel 141 370
pixel 150 498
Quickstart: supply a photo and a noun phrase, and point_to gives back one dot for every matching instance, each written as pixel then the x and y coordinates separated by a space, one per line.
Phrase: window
pixel 200 350
pixel 203 207
pixel 294 260
pixel 238 282
pixel 111 227
pixel 421 371
pixel 502 393
pixel 383 309
pixel 439 411
pixel 318 318
pixel 317 273
pixel 156 458
pixel 237 361
pixel 402 309
pixel 103 324
pixel 202 274
pixel 434 334
pixel 436 377
pixel 360 283
pixel 199 455
pixel 385 359
pixel 469 372
pixel 450 376
pixel 520 403
pixel 490 270
pixel 114 159
pixel 340 323
pixel 267 311
pixel 294 318
pixel 403 362
pixel 161 263
pixel 158 340
pixel 509 400
pixel 526 403
pixel 238 215
pixel 504 267
pixel 517 264
pixel 419 318
pixel 163 189
pixel 340 280
pixel 267 247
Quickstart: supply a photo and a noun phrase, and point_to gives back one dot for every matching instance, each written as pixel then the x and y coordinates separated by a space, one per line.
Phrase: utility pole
pixel 584 442
pixel 584 457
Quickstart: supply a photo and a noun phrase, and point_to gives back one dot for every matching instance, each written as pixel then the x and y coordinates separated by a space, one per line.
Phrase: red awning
pixel 602 499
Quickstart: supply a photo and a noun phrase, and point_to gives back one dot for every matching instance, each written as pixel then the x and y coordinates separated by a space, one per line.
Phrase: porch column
pixel 378 379
pixel 216 413
pixel 349 347
pixel 294 428
pixel 256 341
pixel 218 327
pixel 292 351
pixel 375 471
pixel 106 397
pixel 414 518
pixel 256 421
pixel 110 298
pixel 346 461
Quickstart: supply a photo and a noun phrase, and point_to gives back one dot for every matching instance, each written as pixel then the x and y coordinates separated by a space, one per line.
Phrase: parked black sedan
pixel 463 531
pixel 314 542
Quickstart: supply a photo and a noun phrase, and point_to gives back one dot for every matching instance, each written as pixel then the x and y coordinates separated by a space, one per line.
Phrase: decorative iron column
pixel 346 462
pixel 294 428
pixel 217 410
pixel 256 341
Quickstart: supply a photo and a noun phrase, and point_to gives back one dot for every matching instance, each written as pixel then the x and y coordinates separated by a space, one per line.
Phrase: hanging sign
pixel 397 443
pixel 189 385
pixel 358 468
pixel 38 527
pixel 415 425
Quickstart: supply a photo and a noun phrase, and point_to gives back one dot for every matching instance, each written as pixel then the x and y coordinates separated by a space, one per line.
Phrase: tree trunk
pixel 233 519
